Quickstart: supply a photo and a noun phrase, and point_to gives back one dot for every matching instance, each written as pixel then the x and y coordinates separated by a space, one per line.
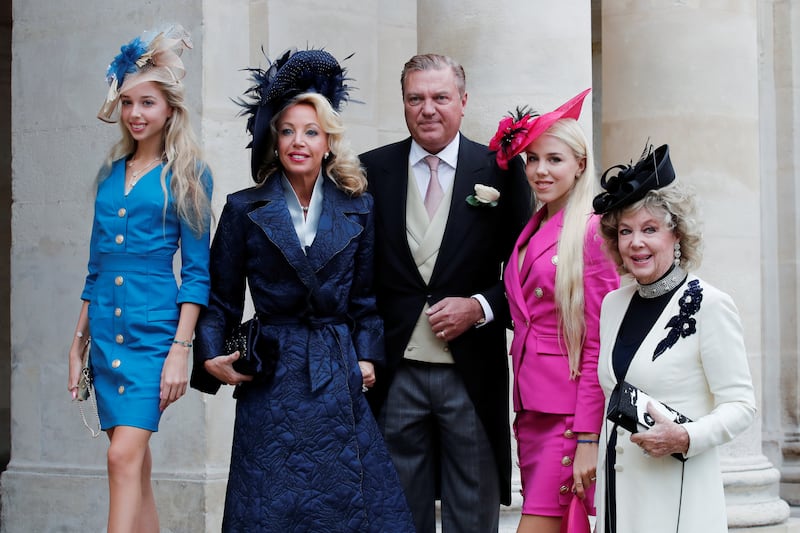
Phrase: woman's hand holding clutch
pixel 665 437
pixel 221 367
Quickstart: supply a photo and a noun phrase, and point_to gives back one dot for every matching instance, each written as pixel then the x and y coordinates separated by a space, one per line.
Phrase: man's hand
pixel 452 316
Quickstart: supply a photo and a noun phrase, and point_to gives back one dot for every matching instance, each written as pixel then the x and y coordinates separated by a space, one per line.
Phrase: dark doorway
pixel 5 234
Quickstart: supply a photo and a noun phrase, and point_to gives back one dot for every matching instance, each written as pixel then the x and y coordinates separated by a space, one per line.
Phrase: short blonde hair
pixel 422 62
pixel 676 204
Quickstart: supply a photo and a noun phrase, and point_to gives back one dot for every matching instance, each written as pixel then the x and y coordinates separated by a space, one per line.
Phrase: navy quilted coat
pixel 307 453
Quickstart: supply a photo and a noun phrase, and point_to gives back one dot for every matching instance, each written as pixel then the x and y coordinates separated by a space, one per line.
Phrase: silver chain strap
pixel 89 380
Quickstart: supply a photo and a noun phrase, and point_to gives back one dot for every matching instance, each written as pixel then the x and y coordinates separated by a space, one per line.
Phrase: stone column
pixel 686 74
pixel 379 37
pixel 56 479
pixel 521 52
pixel 780 124
pixel 515 52
pixel 223 55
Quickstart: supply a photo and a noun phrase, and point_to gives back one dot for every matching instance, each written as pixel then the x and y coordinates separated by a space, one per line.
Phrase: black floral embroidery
pixel 682 324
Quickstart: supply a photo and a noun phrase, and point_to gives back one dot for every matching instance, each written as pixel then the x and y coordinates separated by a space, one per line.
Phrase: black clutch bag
pixel 258 354
pixel 627 407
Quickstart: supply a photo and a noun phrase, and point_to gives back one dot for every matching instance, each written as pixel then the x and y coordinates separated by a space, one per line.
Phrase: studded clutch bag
pixel 258 354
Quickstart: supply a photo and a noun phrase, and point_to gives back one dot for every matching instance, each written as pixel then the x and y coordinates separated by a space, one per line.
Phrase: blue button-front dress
pixel 134 298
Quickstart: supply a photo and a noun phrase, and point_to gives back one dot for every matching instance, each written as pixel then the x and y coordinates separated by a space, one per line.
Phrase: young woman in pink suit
pixel 555 280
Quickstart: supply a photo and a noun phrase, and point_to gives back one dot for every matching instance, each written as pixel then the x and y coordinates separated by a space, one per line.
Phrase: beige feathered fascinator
pixel 153 56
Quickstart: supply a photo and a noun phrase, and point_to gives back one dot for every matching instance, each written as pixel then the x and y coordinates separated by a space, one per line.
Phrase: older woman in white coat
pixel 676 338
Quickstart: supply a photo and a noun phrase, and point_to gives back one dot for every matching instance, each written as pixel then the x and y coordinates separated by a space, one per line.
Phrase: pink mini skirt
pixel 546 448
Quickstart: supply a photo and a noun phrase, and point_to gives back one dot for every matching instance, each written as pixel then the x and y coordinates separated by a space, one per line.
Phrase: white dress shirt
pixel 305 226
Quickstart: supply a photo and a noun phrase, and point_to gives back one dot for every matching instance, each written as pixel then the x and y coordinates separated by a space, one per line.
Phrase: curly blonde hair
pixel 182 157
pixel 342 165
pixel 676 206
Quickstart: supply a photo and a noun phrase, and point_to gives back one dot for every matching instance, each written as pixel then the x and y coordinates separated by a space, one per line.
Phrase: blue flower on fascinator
pixel 152 56
pixel 125 62
pixel 632 182
pixel 293 73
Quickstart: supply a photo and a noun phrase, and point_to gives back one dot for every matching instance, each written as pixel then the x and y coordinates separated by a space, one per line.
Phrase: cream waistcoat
pixel 424 239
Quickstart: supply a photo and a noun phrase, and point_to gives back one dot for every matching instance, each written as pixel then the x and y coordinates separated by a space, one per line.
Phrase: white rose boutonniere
pixel 484 196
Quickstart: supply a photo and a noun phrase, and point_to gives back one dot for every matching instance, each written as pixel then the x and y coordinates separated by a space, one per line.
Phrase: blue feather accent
pixel 125 62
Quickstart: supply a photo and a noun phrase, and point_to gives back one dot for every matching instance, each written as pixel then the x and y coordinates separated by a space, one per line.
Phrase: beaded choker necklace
pixel 661 287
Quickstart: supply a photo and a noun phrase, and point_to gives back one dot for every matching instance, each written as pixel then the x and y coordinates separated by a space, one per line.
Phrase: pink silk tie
pixel 434 194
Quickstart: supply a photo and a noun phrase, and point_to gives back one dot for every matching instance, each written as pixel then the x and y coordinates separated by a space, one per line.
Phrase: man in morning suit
pixel 442 401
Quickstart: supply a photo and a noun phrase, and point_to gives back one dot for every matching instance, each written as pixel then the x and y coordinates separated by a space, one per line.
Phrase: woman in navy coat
pixel 307 454
pixel 152 200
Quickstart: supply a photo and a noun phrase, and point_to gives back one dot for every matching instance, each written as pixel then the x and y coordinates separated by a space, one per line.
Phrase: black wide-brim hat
pixel 631 183
pixel 293 73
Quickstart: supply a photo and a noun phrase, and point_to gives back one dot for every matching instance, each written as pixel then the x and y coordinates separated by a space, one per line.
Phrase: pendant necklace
pixel 136 174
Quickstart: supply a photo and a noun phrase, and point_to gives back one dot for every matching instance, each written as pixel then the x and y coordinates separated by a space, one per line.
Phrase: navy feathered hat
pixel 631 183
pixel 293 73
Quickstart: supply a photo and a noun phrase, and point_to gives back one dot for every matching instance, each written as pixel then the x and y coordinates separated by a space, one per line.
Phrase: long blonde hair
pixel 342 165
pixel 569 295
pixel 182 156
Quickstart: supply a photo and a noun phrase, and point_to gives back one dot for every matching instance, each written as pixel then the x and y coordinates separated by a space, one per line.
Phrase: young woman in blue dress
pixel 153 199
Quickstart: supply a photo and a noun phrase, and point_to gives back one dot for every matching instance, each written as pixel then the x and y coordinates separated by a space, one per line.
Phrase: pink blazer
pixel 539 356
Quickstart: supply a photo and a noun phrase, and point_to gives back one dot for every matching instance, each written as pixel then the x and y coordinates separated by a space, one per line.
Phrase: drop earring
pixel 677 253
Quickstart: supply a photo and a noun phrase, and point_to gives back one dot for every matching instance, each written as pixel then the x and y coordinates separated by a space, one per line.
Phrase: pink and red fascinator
pixel 517 130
